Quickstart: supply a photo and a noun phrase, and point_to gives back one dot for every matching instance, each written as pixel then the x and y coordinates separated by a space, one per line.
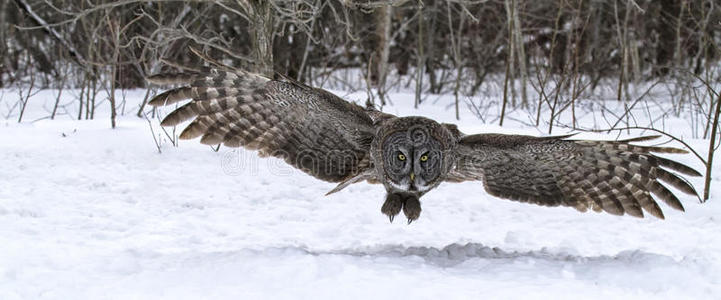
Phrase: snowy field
pixel 88 212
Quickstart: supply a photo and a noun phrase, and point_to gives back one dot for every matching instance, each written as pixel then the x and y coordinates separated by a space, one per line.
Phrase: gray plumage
pixel 337 141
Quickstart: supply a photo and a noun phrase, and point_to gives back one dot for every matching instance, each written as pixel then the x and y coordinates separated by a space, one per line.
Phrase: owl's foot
pixel 397 201
pixel 392 206
pixel 412 209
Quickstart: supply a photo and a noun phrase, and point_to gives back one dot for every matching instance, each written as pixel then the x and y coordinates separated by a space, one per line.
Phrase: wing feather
pixel 613 176
pixel 311 129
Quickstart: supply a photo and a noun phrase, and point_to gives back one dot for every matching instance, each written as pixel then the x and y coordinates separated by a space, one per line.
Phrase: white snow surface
pixel 89 212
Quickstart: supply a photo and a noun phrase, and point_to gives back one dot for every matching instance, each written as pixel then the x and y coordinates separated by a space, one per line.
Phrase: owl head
pixel 413 154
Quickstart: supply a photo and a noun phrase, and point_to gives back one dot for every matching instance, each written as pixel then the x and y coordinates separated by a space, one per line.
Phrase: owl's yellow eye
pixel 401 156
pixel 424 158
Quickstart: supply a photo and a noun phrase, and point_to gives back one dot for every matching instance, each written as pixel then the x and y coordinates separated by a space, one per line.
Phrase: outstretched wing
pixel 613 176
pixel 311 129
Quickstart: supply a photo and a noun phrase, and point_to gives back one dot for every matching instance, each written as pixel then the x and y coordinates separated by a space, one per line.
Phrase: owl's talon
pixel 392 206
pixel 412 209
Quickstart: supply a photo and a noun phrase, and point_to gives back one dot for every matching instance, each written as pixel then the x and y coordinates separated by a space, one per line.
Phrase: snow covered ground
pixel 88 212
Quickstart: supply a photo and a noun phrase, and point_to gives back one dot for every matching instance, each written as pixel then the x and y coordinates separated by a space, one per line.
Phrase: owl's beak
pixel 413 176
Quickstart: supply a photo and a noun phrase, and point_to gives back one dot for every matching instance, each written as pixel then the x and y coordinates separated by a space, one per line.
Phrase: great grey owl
pixel 338 141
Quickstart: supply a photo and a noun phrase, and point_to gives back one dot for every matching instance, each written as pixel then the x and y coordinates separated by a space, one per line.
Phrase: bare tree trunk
pixel 90 81
pixel 505 93
pixel 379 59
pixel 520 53
pixel 576 77
pixel 456 50
pixel 711 148
pixel 114 29
pixel 261 14
pixel 622 45
pixel 89 77
pixel 3 40
pixel 434 87
pixel 635 61
pixel 677 52
pixel 510 60
pixel 61 85
pixel 91 101
pixel 83 88
pixel 420 58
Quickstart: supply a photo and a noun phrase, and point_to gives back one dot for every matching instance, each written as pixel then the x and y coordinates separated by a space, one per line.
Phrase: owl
pixel 341 142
